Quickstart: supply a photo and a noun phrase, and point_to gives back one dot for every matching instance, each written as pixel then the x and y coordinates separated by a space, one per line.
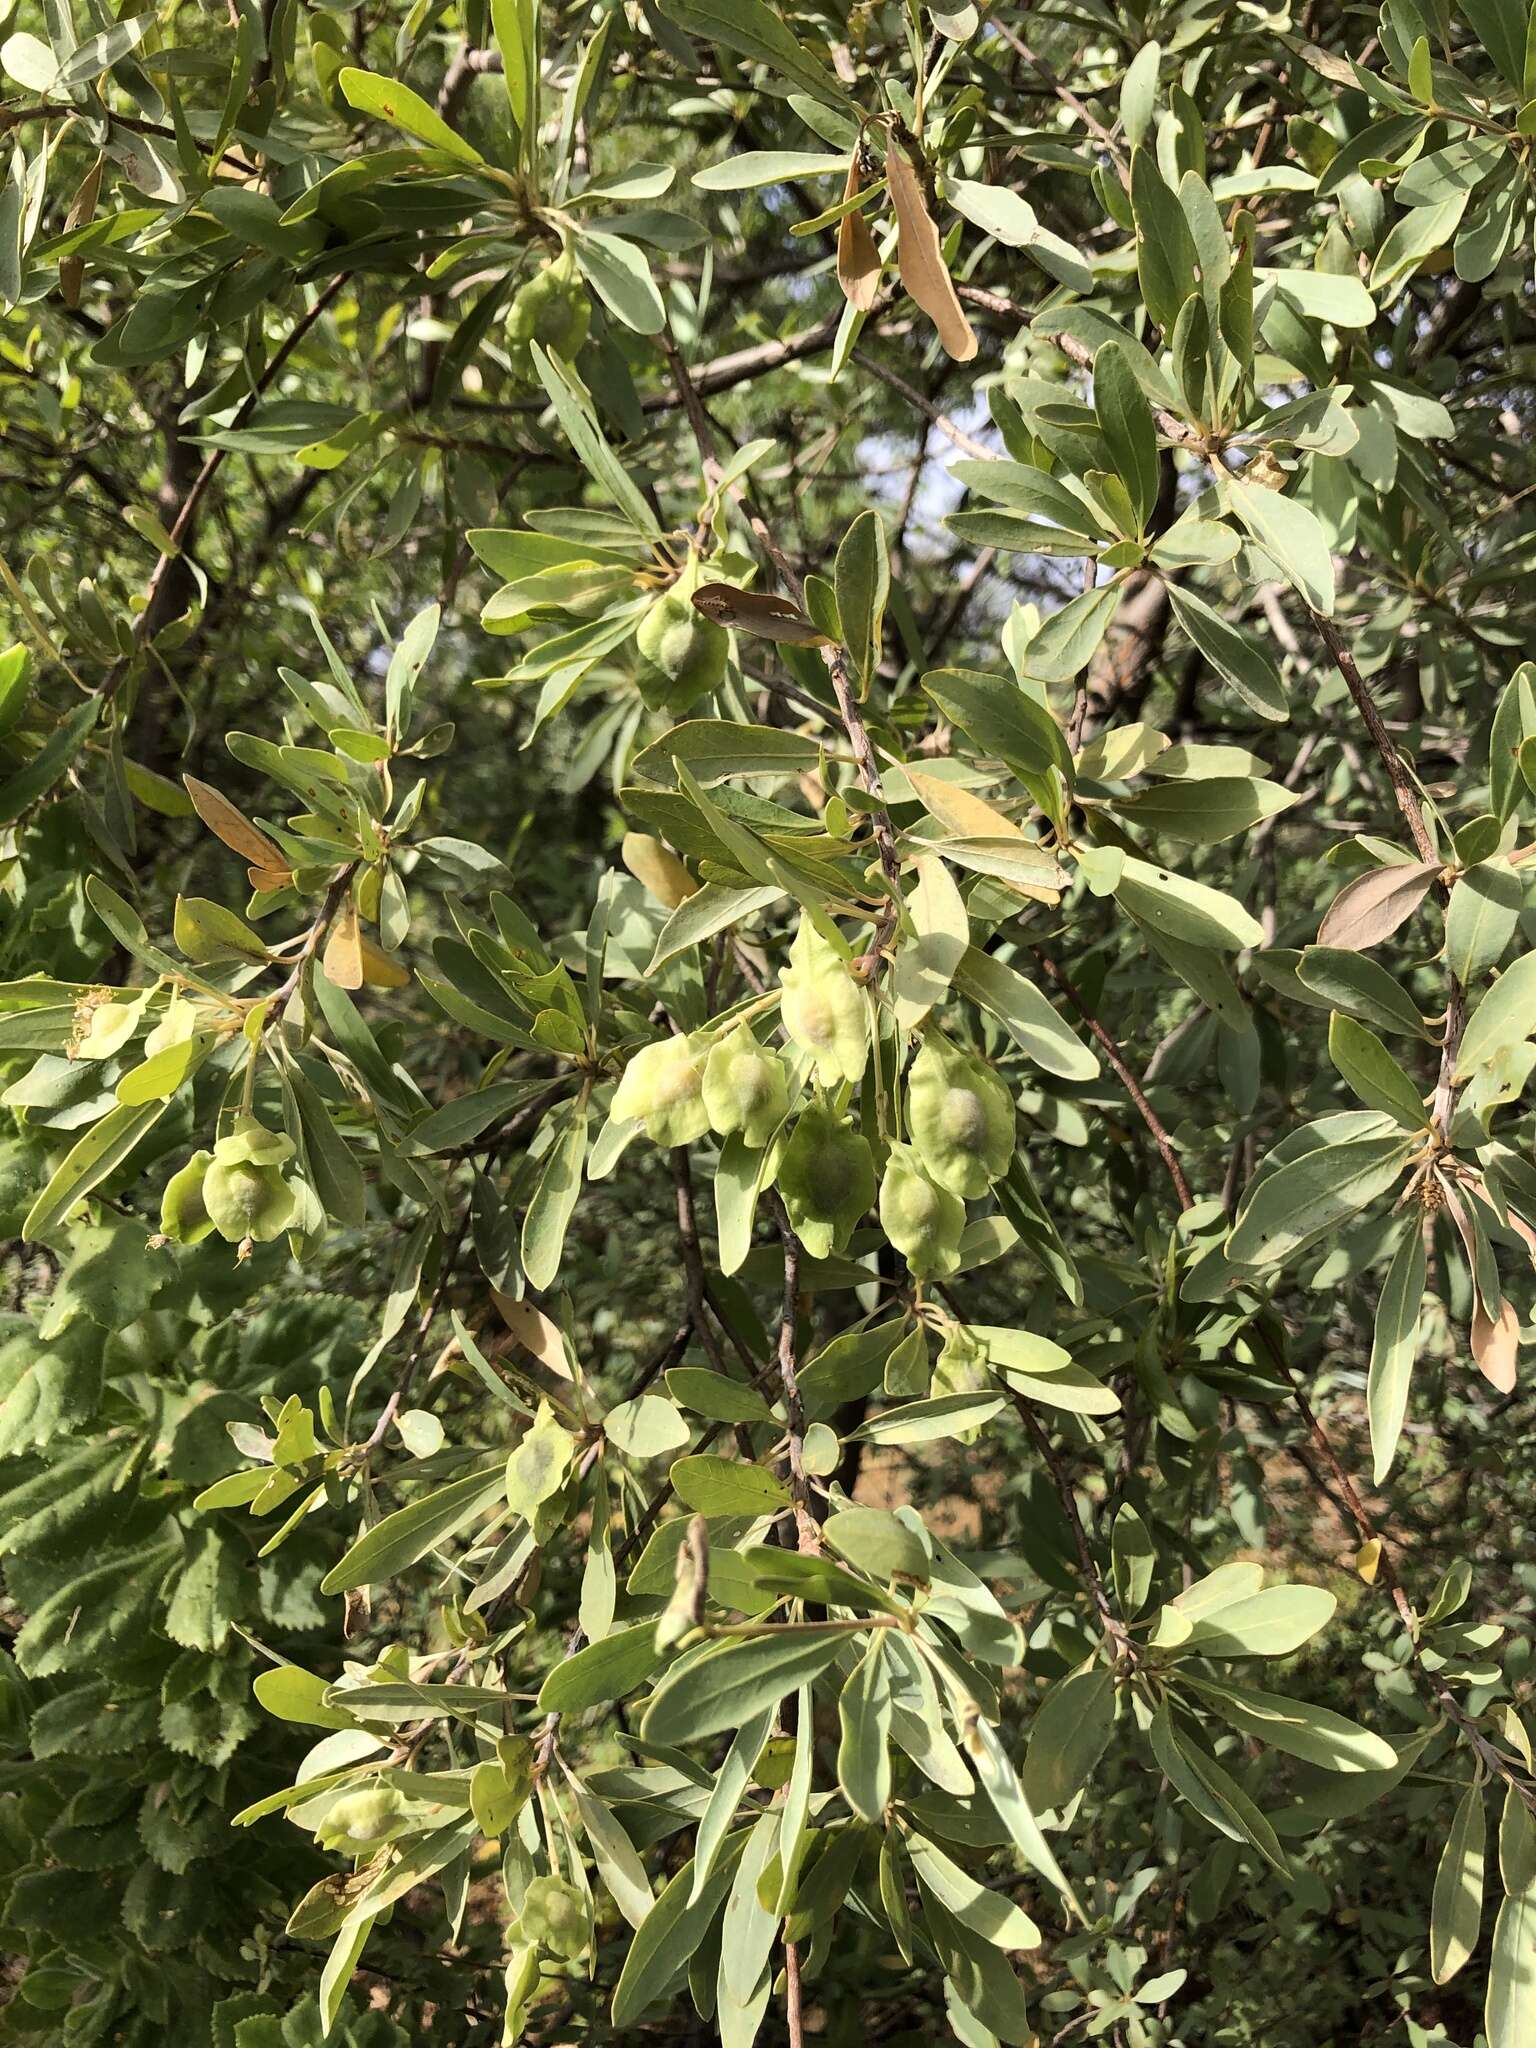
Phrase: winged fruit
pixel 243 1190
pixel 960 1117
pixel 682 654
pixel 552 309
pixel 922 1220
pixel 827 1179
pixel 183 1211
pixel 363 1821
pixel 824 1010
pixel 745 1087
pixel 554 1916
pixel 663 1088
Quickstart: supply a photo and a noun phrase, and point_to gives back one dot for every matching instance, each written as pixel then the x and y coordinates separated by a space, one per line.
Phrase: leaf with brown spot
pixel 920 258
pixel 858 260
pixel 1372 906
pixel 535 1331
pixel 1494 1345
pixel 757 613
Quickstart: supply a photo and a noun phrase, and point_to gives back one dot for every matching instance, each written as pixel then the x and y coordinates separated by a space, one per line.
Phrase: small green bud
pixel 746 1088
pixel 960 1117
pixel 823 1008
pixel 827 1179
pixel 922 1219
pixel 663 1088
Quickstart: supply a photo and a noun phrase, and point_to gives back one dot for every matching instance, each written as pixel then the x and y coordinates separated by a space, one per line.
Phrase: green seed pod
pixel 251 1143
pixel 682 654
pixel 827 1179
pixel 961 1368
pixel 248 1202
pixel 554 1914
pixel 663 1088
pixel 961 1119
pixel 363 1821
pixel 745 1087
pixel 183 1212
pixel 922 1220
pixel 552 308
pixel 824 1010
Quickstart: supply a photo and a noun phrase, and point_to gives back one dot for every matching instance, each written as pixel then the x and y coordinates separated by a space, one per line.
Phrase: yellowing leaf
pixel 231 825
pixel 343 956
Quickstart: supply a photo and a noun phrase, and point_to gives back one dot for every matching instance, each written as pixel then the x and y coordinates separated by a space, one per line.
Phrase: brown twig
pixel 794 1408
pixel 1121 1645
pixel 119 672
pixel 1126 1078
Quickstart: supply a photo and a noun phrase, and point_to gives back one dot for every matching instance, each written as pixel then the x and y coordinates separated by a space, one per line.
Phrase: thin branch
pixel 1126 1078
pixel 794 1408
pixel 1116 1635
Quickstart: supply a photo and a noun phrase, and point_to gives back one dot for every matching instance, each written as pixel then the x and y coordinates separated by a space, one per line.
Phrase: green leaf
pixel 1370 1070
pixel 1509 2013
pixel 1355 982
pixel 726 1686
pixel 1457 1909
pixel 1214 1795
pixel 554 1199
pixel 20 791
pixel 675 1926
pixel 1286 1210
pixel 1001 717
pixel 985 1912
pixel 291 1694
pixel 862 580
pixel 401 1539
pixel 1291 534
pixel 1237 658
pixel 387 100
pixel 1190 912
pixel 1298 1727
pixel 716 749
pixel 1069 638
pixel 753 30
pixel 602 1672
pixel 1504 1017
pixel 88 1162
pixel 1271 1623
pixel 1068 1735
pixel 1481 918
pixel 1165 250
pixel 1026 1015
pixel 723 1486
pixel 1206 811
pixel 753 167
pixel 1125 419
pixel 864 1716
pixel 1394 1346
pixel 620 275
pixel 1000 1782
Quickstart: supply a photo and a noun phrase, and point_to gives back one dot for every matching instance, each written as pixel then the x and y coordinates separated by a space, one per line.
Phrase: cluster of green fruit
pixel 237 1189
pixel 959 1115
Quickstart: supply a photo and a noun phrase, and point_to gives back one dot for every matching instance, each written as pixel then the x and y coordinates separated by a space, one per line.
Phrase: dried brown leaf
pixel 1494 1345
pixel 858 260
pixel 1372 906
pixel 920 258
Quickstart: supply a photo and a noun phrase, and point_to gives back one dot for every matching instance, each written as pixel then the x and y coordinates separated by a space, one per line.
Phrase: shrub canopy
pixel 771 997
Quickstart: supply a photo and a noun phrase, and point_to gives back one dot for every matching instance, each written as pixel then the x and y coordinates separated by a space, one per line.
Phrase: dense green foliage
pixel 767 1169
